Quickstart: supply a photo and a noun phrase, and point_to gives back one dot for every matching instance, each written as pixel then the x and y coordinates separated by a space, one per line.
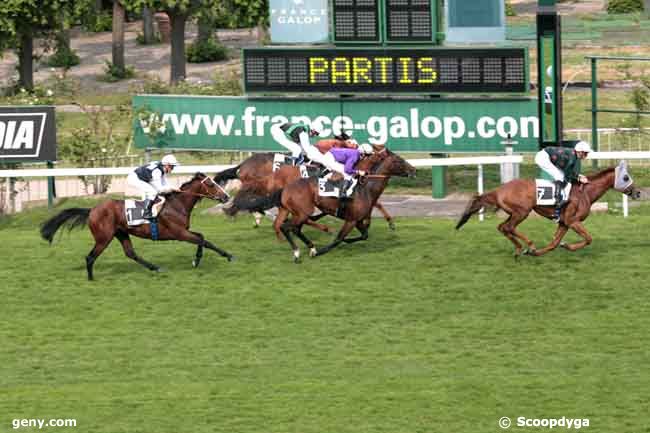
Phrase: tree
pixel 119 17
pixel 23 20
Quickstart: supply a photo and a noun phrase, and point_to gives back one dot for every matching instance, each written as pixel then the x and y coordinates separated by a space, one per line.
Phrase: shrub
pixel 64 57
pixel 113 73
pixel 510 11
pixel 102 22
pixel 139 39
pixel 624 6
pixel 208 50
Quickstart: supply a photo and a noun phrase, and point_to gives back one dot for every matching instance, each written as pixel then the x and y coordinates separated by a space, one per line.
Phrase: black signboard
pixel 27 134
pixel 390 70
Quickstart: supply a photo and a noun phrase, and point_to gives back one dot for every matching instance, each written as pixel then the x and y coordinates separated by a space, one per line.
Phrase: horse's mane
pixel 197 175
pixel 601 173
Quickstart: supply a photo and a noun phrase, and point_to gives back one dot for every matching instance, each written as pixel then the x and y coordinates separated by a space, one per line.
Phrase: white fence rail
pixel 478 161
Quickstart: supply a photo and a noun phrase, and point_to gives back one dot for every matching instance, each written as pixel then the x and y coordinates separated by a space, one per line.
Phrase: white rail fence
pixel 36 190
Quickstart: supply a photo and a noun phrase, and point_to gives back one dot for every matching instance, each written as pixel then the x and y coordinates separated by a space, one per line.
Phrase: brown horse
pixel 257 176
pixel 518 198
pixel 107 221
pixel 301 197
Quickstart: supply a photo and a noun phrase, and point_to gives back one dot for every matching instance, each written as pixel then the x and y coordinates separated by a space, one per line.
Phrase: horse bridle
pixel 210 196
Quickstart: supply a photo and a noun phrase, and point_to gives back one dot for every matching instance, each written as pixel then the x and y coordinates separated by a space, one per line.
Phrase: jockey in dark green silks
pixel 563 165
pixel 295 137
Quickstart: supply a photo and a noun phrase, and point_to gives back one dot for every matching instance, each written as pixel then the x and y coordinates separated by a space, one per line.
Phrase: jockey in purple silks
pixel 346 160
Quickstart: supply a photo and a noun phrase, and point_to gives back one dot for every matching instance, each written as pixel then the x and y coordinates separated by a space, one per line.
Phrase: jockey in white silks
pixel 151 180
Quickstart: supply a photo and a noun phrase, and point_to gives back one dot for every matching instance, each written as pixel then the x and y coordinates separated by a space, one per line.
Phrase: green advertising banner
pixel 404 125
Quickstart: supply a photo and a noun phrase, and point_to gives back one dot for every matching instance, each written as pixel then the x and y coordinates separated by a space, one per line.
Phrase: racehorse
pixel 107 220
pixel 518 198
pixel 301 197
pixel 256 175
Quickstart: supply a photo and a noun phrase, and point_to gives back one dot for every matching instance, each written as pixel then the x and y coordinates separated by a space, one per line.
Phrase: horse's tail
pixel 73 217
pixel 247 200
pixel 488 199
pixel 231 173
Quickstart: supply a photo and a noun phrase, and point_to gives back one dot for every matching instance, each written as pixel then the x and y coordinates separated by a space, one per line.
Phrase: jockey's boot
pixel 559 202
pixel 343 189
pixel 299 160
pixel 148 209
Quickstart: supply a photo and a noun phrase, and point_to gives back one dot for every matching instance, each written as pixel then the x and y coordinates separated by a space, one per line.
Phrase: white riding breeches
pixel 148 192
pixel 279 136
pixel 543 160
pixel 330 162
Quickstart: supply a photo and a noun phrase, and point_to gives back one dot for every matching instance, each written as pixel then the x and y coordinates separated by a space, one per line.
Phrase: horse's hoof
pixel 391 225
pixel 313 252
pixel 194 263
pixel 296 256
pixel 231 258
pixel 159 270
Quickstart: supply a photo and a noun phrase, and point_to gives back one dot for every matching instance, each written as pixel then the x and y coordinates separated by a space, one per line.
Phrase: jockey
pixel 563 165
pixel 151 180
pixel 295 137
pixel 345 160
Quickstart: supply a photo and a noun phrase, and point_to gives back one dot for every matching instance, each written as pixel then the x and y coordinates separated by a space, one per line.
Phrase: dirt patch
pixel 95 48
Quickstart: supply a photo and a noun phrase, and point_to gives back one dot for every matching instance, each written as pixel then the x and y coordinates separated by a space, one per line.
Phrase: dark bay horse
pixel 257 176
pixel 519 197
pixel 301 197
pixel 107 221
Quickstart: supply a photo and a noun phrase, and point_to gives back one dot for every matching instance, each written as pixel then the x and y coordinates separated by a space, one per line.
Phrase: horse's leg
pixel 286 229
pixel 209 245
pixel 517 217
pixel 100 245
pixel 362 226
pixel 559 234
pixel 505 231
pixel 298 231
pixel 387 216
pixel 127 246
pixel 580 229
pixel 280 218
pixel 347 227
pixel 321 227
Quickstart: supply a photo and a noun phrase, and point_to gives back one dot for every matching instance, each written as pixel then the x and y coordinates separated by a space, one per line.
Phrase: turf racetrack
pixel 419 331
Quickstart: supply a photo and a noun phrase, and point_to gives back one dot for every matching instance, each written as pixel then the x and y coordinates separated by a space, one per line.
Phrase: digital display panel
pixel 409 20
pixel 396 70
pixel 356 20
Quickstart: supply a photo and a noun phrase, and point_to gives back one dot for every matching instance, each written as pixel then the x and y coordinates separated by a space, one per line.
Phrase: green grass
pixel 422 330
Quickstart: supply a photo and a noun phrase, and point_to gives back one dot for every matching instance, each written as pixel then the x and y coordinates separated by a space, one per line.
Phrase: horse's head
pixel 388 163
pixel 623 181
pixel 205 186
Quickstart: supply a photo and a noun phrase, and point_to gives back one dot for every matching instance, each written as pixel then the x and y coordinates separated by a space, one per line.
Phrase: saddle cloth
pixel 331 188
pixel 134 209
pixel 280 159
pixel 546 192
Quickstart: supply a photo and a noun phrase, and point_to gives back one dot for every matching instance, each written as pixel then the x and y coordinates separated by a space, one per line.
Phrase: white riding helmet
pixel 582 146
pixel 169 160
pixel 366 149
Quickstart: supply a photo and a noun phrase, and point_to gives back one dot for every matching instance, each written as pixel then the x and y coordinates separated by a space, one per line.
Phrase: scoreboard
pixel 377 21
pixel 386 70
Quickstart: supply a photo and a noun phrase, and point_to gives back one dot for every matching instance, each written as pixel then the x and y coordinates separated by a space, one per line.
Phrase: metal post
pixel 626 210
pixel 51 187
pixel 8 195
pixel 438 178
pixel 481 215
pixel 594 108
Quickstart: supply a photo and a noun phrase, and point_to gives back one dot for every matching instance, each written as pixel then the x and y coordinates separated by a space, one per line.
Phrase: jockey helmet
pixel 169 160
pixel 582 146
pixel 365 148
